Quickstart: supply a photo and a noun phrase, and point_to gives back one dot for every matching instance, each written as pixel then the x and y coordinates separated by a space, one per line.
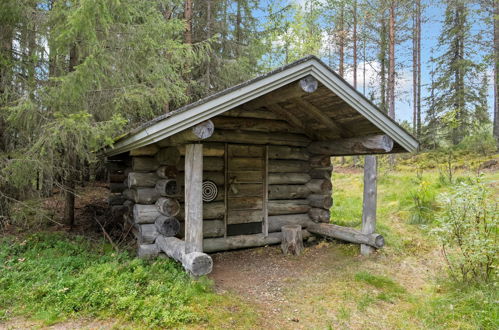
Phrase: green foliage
pixel 53 277
pixel 424 199
pixel 461 306
pixel 480 141
pixel 388 290
pixel 467 229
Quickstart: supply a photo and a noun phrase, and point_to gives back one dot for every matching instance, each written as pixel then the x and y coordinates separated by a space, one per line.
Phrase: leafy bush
pixel 53 277
pixel 480 141
pixel 424 203
pixel 467 229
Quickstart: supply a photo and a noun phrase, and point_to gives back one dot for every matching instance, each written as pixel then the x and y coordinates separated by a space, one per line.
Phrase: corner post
pixel 193 198
pixel 369 201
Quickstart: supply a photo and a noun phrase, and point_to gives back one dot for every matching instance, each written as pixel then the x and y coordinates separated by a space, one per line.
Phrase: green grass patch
pixel 52 277
pixel 457 306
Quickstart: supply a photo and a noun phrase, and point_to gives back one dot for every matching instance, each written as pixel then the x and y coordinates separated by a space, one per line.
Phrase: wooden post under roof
pixel 193 198
pixel 369 202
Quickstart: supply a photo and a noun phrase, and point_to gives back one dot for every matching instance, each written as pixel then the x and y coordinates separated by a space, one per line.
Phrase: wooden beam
pixel 347 234
pixel 370 144
pixel 321 117
pixel 291 119
pixel 244 241
pixel 369 202
pixel 196 263
pixel 196 133
pixel 193 198
pixel 304 86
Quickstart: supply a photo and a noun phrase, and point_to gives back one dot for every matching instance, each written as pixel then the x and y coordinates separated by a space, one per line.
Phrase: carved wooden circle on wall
pixel 210 191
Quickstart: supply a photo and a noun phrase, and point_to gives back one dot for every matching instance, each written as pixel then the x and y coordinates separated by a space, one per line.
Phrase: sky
pixel 433 16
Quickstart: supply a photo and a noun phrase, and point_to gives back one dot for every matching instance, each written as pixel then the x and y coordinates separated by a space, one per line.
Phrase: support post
pixel 193 198
pixel 369 202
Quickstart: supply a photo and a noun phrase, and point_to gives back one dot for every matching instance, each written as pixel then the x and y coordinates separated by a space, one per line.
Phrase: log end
pixel 197 263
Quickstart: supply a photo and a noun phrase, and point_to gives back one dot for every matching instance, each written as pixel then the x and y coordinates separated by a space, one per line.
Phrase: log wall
pixel 151 183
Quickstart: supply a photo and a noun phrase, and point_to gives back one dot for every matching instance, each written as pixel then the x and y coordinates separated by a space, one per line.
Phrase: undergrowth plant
pixel 467 229
pixel 424 205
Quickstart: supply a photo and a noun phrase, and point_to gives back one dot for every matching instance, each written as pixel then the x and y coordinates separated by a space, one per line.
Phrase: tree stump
pixel 292 240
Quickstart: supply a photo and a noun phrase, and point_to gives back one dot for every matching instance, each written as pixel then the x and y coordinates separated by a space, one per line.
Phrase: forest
pixel 75 75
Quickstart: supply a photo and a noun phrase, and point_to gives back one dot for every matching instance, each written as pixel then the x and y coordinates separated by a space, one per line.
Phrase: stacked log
pixel 320 186
pixel 146 212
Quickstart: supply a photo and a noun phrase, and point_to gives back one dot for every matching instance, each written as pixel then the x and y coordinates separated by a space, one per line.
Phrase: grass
pixel 53 277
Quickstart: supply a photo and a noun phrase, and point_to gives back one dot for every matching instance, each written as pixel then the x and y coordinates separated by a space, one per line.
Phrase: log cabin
pixel 250 166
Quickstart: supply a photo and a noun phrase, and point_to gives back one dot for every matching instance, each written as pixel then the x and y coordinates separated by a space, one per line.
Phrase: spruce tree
pixel 456 73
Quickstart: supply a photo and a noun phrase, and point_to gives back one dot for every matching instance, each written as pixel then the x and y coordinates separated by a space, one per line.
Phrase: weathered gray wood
pixel 144 164
pixel 167 187
pixel 277 221
pixel 145 213
pixel 168 156
pixel 370 144
pixel 319 215
pixel 216 176
pixel 283 152
pixel 147 251
pixel 129 194
pixel 116 187
pixel 148 150
pixel 243 241
pixel 265 224
pixel 308 84
pixel 291 191
pixel 286 139
pixel 320 161
pixel 212 210
pixel 169 207
pixel 167 172
pixel 145 195
pixel 193 198
pixel 293 120
pixel 288 178
pixel 118 199
pixel 138 179
pixel 300 88
pixel 167 226
pixel 288 206
pixel 196 263
pixel 147 233
pixel 320 201
pixel 211 228
pixel 320 186
pixel 346 234
pixel 321 173
pixel 292 240
pixel 288 166
pixel 244 216
pixel 209 150
pixel 254 124
pixel 369 201
pixel 318 114
pixel 196 133
pixel 209 164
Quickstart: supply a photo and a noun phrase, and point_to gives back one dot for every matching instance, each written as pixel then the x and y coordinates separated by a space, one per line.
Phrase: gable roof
pixel 187 116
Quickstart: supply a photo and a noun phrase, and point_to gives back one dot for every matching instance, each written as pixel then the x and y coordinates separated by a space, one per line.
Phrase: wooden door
pixel 245 189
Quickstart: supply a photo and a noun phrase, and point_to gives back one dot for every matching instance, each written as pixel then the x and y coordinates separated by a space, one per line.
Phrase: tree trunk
pixel 188 21
pixel 292 240
pixel 354 37
pixel 391 65
pixel 496 70
pixel 341 70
